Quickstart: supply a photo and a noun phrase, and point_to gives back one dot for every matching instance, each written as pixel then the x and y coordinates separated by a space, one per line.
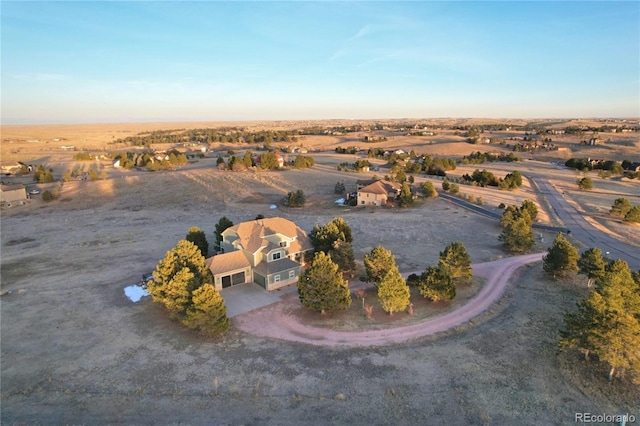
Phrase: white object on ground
pixel 135 292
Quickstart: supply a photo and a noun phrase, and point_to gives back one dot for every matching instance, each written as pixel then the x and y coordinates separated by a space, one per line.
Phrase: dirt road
pixel 277 320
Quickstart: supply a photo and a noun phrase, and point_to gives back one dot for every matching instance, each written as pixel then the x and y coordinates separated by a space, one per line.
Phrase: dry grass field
pixel 75 350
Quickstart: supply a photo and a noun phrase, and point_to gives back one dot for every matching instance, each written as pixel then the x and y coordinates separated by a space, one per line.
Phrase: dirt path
pixel 277 320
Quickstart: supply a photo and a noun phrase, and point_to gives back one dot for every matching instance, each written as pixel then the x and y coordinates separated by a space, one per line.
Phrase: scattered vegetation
pixel 295 199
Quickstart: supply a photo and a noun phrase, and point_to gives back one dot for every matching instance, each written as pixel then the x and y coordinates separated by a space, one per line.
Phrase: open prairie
pixel 75 350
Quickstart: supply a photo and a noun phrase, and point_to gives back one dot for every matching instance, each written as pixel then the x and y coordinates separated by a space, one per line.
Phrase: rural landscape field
pixel 76 350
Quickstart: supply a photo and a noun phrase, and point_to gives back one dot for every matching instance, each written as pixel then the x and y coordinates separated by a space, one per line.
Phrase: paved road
pixel 278 321
pixel 583 231
pixel 492 214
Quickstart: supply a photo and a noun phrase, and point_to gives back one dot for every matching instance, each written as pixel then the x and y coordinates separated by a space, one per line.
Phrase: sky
pixel 96 62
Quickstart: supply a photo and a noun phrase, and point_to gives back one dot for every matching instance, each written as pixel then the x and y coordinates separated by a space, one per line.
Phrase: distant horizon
pixel 318 120
pixel 150 62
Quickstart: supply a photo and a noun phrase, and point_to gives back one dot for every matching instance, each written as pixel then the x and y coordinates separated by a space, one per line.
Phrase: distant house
pixel 595 141
pixel 116 163
pixel 378 193
pixel 633 167
pixel 269 252
pixel 10 194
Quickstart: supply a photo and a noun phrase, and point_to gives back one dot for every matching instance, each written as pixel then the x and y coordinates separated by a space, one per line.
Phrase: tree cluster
pixel 382 271
pixel 335 239
pixel 222 224
pixel 607 321
pixel 42 174
pixel 484 157
pixel 295 199
pixel 517 222
pixel 585 183
pixel 303 162
pixel 182 283
pixel 622 208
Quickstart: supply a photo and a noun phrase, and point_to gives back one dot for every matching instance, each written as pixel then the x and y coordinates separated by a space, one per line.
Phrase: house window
pixel 292 274
pixel 275 256
pixel 276 278
pixel 283 243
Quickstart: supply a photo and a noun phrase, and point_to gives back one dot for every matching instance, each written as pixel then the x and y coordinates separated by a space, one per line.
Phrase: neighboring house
pixel 10 194
pixel 116 163
pixel 269 252
pixel 633 167
pixel 279 158
pixel 378 193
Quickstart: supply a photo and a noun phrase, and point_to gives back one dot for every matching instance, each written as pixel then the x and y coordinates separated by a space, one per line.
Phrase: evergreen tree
pixel 222 224
pixel 197 237
pixel 405 199
pixel 585 183
pixel 436 284
pixel 607 322
pixel 182 271
pixel 323 238
pixel 620 207
pixel 321 287
pixel 562 257
pixel 295 199
pixel 269 161
pixel 393 292
pixel 455 260
pixel 342 255
pixel 633 215
pixel 247 160
pixel 377 263
pixel 208 312
pixel 429 190
pixel 517 236
pixel 531 208
pixel 591 264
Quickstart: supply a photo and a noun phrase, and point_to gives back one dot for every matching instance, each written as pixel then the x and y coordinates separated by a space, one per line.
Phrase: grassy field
pixel 75 350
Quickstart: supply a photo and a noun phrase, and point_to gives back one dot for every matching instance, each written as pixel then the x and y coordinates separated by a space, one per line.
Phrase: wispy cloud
pixel 39 77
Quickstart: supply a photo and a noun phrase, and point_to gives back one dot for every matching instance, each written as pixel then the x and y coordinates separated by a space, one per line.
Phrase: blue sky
pixel 85 62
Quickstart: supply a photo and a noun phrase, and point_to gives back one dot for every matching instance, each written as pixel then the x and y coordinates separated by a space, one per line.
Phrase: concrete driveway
pixel 243 298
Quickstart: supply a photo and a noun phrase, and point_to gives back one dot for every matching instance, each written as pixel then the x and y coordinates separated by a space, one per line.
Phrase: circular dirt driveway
pixel 275 321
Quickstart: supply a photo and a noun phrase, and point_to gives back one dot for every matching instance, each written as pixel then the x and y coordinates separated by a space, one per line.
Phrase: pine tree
pixel 377 263
pixel 429 190
pixel 562 257
pixel 393 292
pixel 405 199
pixel 517 236
pixel 436 284
pixel 323 238
pixel 620 207
pixel 633 215
pixel 455 260
pixel 321 287
pixel 208 312
pixel 342 255
pixel 591 264
pixel 222 224
pixel 197 237
pixel 607 322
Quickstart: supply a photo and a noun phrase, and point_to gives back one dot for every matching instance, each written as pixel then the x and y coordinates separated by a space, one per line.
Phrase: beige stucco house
pixel 10 194
pixel 378 193
pixel 269 252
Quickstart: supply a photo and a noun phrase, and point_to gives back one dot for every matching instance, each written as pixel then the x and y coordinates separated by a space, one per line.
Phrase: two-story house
pixel 269 252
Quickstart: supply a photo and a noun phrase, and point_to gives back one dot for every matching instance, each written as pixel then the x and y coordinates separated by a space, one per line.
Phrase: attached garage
pixel 237 278
pixel 229 269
